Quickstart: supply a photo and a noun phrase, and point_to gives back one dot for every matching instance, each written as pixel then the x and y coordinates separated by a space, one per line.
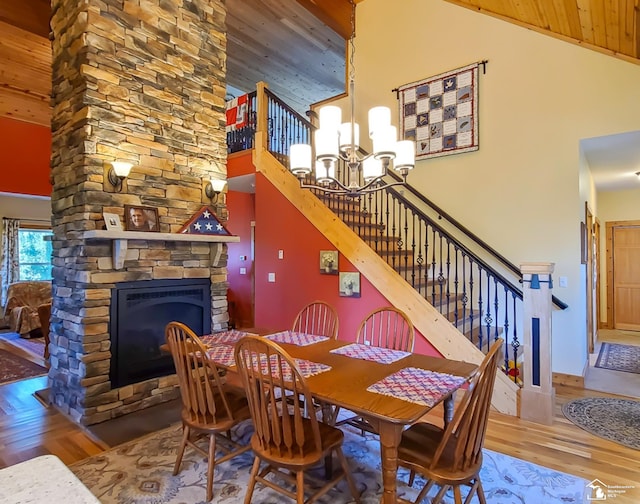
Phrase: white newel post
pixel 538 395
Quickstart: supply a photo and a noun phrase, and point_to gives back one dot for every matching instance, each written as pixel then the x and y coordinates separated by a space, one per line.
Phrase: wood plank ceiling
pixel 607 25
pixel 297 46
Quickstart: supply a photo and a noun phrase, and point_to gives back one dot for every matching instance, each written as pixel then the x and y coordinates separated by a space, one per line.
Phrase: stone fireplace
pixel 141 81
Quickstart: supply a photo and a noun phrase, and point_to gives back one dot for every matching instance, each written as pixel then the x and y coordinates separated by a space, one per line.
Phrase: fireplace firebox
pixel 140 312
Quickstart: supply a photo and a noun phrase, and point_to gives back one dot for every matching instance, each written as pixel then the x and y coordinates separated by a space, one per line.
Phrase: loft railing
pixel 469 291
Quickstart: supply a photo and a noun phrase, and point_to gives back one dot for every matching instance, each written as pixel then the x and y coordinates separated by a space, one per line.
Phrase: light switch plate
pixel 243 271
pixel 280 254
pixel 272 277
pixel 563 282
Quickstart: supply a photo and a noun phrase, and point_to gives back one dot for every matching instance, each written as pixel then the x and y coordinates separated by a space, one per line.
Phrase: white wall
pixel 613 206
pixel 25 207
pixel 523 192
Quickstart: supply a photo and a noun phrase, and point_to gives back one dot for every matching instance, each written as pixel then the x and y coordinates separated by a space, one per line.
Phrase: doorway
pixel 623 275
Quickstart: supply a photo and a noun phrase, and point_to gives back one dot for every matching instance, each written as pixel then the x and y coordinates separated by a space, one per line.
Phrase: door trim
pixel 591 330
pixel 609 232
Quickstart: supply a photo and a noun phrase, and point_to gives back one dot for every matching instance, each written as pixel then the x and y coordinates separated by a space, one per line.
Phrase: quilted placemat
pixel 222 354
pixel 296 338
pixel 371 353
pixel 230 337
pixel 307 368
pixel 418 385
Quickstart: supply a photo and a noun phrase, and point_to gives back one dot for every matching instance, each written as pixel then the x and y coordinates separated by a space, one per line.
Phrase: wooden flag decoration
pixel 204 222
pixel 236 112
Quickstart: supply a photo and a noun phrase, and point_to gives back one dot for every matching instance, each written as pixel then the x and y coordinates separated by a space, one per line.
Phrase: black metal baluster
pixel 515 344
pixel 480 327
pixel 456 282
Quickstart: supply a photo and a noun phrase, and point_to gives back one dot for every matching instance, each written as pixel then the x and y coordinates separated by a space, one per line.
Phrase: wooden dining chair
pixel 452 457
pixel 286 439
pixel 210 408
pixel 386 327
pixel 319 318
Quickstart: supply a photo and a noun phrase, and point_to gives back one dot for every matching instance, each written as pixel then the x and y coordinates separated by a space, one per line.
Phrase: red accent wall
pixel 280 226
pixel 26 152
pixel 240 206
pixel 240 163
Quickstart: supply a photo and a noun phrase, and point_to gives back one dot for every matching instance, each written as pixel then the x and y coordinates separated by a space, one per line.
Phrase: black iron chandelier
pixel 335 141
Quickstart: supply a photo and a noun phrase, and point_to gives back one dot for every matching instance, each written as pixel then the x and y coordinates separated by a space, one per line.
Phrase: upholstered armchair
pixel 21 309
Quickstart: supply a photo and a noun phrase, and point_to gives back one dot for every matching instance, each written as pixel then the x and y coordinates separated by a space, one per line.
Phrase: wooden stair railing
pixel 451 305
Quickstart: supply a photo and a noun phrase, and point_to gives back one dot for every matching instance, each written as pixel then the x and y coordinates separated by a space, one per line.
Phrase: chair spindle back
pixel 387 327
pixel 198 377
pixel 319 318
pixel 268 373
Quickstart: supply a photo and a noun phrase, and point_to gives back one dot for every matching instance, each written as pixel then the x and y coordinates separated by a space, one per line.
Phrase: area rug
pixel 140 472
pixel 34 346
pixel 619 357
pixel 610 418
pixel 14 368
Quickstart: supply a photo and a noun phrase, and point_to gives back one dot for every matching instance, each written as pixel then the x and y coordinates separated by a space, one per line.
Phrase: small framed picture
pixel 140 218
pixel 112 221
pixel 329 262
pixel 350 284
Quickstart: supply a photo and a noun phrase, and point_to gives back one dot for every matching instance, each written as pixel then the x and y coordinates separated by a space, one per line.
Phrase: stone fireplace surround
pixel 142 81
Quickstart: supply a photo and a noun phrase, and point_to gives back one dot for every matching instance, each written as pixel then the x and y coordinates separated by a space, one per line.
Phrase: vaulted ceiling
pixel 607 25
pixel 297 46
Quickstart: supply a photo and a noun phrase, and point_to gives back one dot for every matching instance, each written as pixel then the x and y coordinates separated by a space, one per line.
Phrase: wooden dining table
pixel 345 384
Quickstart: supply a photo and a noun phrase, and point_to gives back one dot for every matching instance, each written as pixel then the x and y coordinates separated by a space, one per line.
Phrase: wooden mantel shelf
pixel 120 240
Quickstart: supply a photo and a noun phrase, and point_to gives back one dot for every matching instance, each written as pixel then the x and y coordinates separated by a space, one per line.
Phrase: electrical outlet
pixel 243 271
pixel 272 277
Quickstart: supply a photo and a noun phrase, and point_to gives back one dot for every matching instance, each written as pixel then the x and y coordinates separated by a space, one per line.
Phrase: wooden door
pixel 625 274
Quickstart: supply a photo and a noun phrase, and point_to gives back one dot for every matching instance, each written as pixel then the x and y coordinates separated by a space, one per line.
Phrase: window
pixel 34 254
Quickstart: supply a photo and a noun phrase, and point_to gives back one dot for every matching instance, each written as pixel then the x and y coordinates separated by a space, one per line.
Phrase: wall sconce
pixel 118 172
pixel 214 188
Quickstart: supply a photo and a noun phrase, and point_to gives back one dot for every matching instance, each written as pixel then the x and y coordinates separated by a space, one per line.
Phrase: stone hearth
pixel 142 81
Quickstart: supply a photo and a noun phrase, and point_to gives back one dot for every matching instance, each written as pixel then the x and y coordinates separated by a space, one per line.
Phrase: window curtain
pixel 10 271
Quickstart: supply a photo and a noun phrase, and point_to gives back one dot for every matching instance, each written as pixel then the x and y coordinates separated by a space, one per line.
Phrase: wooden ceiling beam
pixel 336 14
pixel 25 107
pixel 29 15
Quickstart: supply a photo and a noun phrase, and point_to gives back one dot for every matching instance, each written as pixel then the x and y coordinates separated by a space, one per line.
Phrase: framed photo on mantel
pixel 140 218
pixel 112 221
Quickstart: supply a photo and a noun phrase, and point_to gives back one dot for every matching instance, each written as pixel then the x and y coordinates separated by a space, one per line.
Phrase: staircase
pixel 429 280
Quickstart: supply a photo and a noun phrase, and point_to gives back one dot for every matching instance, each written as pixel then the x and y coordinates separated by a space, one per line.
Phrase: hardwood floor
pixel 29 429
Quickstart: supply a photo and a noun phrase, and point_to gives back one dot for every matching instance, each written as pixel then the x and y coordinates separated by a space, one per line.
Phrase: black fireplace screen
pixel 140 312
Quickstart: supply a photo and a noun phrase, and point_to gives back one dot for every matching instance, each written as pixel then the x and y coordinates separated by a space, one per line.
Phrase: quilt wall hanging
pixel 440 113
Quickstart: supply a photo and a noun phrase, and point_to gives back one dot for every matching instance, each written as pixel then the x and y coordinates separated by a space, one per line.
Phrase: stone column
pixel 538 395
pixel 140 81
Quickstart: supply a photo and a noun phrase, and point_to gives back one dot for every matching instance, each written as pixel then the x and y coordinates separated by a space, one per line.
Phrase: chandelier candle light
pixel 335 141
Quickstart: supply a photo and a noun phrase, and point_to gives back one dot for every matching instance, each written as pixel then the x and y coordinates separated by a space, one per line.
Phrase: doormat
pixel 619 357
pixel 14 368
pixel 610 418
